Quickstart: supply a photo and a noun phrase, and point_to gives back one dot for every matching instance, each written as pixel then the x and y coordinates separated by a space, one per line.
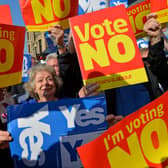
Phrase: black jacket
pixel 70 74
pixel 5 156
pixel 159 63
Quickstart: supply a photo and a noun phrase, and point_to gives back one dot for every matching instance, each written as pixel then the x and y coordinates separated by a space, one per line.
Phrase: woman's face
pixel 44 85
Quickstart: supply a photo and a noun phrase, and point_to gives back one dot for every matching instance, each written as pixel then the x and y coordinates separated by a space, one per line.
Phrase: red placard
pixel 158 5
pixel 5 15
pixel 11 54
pixel 137 16
pixel 38 15
pixel 140 140
pixel 107 49
pixel 161 8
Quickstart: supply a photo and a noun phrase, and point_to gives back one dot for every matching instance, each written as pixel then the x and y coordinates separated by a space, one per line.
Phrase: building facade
pixel 36 43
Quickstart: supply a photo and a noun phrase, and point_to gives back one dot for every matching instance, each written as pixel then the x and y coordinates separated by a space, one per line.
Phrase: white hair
pixel 51 55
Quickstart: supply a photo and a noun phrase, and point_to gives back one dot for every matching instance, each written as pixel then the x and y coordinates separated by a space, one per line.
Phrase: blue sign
pixel 142 43
pixel 26 67
pixel 47 134
pixel 119 2
pixel 86 6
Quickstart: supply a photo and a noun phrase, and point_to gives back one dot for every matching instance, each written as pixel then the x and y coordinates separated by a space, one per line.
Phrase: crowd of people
pixel 61 78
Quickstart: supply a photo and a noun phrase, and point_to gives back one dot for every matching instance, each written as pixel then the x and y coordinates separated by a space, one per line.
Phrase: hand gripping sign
pixel 11 54
pixel 161 8
pixel 41 14
pixel 107 49
pixel 140 140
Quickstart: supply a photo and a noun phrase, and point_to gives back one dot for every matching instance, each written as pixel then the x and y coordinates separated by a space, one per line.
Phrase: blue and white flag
pixel 143 43
pixel 47 134
pixel 86 6
pixel 119 2
pixel 26 67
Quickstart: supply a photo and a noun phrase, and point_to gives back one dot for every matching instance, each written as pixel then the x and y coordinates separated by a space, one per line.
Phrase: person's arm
pixel 89 90
pixel 67 61
pixel 58 32
pixel 112 119
pixel 156 56
pixel 5 138
pixel 70 73
pixel 153 29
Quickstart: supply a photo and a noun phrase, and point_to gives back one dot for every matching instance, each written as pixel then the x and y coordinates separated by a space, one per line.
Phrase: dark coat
pixel 159 63
pixel 70 74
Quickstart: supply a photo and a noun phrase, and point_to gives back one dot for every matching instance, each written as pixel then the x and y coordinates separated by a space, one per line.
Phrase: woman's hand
pixel 153 28
pixel 5 138
pixel 112 119
pixel 89 90
pixel 58 32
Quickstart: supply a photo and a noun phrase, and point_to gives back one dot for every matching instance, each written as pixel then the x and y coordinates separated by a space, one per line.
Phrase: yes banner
pixel 26 67
pixel 161 9
pixel 11 54
pixel 39 15
pixel 86 6
pixel 140 140
pixel 107 49
pixel 118 2
pixel 47 134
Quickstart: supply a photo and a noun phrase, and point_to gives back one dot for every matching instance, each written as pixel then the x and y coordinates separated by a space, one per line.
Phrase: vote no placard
pixel 138 141
pixel 11 54
pixel 39 15
pixel 107 49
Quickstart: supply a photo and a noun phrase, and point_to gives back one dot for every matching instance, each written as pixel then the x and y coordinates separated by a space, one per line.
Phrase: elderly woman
pixel 44 85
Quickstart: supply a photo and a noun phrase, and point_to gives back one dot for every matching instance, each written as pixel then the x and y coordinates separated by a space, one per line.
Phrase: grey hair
pixel 51 55
pixel 30 85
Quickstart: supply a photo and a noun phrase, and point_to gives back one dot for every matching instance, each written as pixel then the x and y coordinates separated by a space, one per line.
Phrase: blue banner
pixel 119 2
pixel 86 6
pixel 47 134
pixel 26 67
pixel 143 43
